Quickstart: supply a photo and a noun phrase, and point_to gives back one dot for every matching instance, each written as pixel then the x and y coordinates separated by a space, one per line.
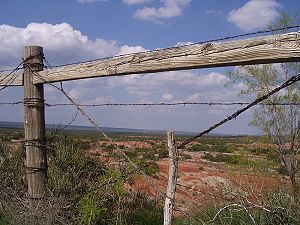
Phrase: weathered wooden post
pixel 172 181
pixel 34 123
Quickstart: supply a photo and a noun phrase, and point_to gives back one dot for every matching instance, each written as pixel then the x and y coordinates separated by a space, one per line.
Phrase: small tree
pixel 280 123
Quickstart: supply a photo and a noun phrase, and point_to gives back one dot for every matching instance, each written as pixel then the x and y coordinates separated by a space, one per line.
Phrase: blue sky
pixel 78 30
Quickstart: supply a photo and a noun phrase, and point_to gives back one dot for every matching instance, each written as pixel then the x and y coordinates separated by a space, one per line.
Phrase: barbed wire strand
pixel 176 47
pixel 159 104
pixel 173 104
pixel 289 82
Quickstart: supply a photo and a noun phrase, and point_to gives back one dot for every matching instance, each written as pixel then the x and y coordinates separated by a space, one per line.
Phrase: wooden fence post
pixel 172 180
pixel 34 123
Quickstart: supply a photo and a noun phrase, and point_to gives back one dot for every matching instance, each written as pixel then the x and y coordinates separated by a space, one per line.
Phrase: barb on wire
pixel 289 82
pixel 196 43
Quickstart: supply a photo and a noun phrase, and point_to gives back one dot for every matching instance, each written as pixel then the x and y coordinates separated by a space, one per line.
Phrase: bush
pixel 80 189
pixel 219 157
pixel 258 151
pixel 198 147
pixel 185 156
pixel 150 168
pixel 163 153
pixel 278 207
pixel 221 148
pixel 142 210
pixel 216 147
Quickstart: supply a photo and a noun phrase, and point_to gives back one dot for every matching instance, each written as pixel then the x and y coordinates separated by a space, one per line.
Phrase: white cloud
pixel 167 97
pixel 170 9
pixel 62 44
pixel 181 43
pixel 146 85
pixel 125 49
pixel 132 2
pixel 255 14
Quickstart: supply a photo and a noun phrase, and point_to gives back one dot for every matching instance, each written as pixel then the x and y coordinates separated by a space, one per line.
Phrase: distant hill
pixel 19 125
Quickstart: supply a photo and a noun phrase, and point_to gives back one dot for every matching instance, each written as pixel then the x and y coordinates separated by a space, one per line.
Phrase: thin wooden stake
pixel 173 170
pixel 34 124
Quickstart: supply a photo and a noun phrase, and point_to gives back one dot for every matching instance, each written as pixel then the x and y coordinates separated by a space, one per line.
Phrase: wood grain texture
pixel 172 179
pixel 259 50
pixel 34 125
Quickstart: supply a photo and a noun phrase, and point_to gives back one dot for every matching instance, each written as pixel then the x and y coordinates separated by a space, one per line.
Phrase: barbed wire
pixel 289 82
pixel 173 104
pixel 159 104
pixel 176 47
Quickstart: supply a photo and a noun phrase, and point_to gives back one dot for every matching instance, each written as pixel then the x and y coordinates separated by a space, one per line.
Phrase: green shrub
pixel 221 148
pixel 90 210
pixel 142 210
pixel 163 153
pixel 277 207
pixel 258 150
pixel 216 147
pixel 219 157
pixel 273 156
pixel 198 147
pixel 185 156
pixel 150 168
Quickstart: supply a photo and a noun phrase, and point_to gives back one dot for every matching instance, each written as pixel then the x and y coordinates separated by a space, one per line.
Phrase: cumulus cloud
pixel 146 85
pixel 125 49
pixel 132 2
pixel 255 14
pixel 170 9
pixel 62 43
pixel 181 43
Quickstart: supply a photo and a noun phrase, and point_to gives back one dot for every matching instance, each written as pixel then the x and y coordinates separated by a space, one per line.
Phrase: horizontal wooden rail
pixel 278 48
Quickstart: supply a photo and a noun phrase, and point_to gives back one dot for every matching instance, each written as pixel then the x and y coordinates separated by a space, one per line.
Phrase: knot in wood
pixel 207 47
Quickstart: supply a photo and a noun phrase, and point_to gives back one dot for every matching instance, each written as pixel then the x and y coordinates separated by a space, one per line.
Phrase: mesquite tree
pixel 280 122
